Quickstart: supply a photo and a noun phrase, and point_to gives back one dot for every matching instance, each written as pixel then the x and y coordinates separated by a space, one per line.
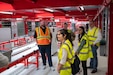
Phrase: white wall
pixel 5 34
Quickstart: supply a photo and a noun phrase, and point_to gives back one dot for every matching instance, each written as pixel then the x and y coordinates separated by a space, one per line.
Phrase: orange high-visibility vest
pixel 43 38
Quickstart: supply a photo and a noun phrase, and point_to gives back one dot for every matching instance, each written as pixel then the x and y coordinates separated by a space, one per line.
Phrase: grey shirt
pixel 83 42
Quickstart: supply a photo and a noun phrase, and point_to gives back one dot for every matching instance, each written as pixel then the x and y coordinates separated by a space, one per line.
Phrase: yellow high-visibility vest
pixel 70 58
pixel 85 52
pixel 92 35
pixel 43 38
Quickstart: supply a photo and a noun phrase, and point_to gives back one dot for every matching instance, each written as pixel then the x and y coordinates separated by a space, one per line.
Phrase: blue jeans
pixel 46 50
pixel 94 60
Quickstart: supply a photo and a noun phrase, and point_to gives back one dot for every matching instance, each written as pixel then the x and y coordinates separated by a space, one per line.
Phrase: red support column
pixel 0 25
pixel 37 62
pixel 26 62
pixel 100 21
pixel 26 27
pixel 110 59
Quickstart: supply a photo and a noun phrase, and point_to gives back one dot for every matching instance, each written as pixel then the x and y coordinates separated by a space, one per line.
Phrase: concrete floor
pixel 32 70
pixel 102 68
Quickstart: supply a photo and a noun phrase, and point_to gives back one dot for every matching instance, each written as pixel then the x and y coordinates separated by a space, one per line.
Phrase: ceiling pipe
pixel 6 12
pixel 101 9
pixel 48 9
pixel 105 3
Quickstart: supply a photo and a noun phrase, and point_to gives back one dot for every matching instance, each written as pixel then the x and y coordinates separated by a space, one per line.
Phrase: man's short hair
pixel 65 23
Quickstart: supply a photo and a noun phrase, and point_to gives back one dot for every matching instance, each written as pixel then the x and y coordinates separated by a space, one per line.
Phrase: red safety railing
pixel 15 42
pixel 26 62
pixel 23 59
pixel 3 45
pixel 21 41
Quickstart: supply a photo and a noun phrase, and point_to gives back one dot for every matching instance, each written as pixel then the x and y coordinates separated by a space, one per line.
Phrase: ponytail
pixel 69 35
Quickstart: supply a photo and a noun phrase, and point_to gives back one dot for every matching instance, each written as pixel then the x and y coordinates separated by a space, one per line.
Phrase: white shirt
pixel 99 37
pixel 64 57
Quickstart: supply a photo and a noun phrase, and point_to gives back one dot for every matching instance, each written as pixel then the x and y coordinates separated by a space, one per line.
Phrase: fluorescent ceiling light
pixel 50 10
pixel 4 12
pixel 57 20
pixel 19 18
pixel 82 8
pixel 66 14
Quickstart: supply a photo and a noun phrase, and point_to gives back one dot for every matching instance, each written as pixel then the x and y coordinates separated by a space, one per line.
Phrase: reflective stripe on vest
pixel 65 68
pixel 43 38
pixel 85 52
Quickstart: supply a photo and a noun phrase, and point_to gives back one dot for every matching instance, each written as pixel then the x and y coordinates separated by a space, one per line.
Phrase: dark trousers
pixel 84 66
pixel 94 60
pixel 46 50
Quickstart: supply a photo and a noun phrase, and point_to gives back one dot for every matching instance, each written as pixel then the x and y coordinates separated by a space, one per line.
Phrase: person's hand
pixel 93 44
pixel 58 69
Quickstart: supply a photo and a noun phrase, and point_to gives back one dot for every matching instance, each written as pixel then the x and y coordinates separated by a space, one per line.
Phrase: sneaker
pixel 94 71
pixel 80 71
pixel 44 67
pixel 52 68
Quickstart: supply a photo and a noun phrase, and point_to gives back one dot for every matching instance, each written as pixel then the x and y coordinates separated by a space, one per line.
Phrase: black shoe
pixel 94 71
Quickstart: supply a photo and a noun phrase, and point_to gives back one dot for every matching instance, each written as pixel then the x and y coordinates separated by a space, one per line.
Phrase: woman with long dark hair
pixel 66 52
pixel 84 49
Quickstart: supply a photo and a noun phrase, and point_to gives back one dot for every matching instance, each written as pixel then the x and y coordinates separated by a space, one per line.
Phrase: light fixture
pixel 50 10
pixel 81 8
pixel 4 12
pixel 57 20
pixel 66 14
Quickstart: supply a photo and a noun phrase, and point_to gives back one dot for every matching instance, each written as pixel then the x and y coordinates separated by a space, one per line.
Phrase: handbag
pixel 75 66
